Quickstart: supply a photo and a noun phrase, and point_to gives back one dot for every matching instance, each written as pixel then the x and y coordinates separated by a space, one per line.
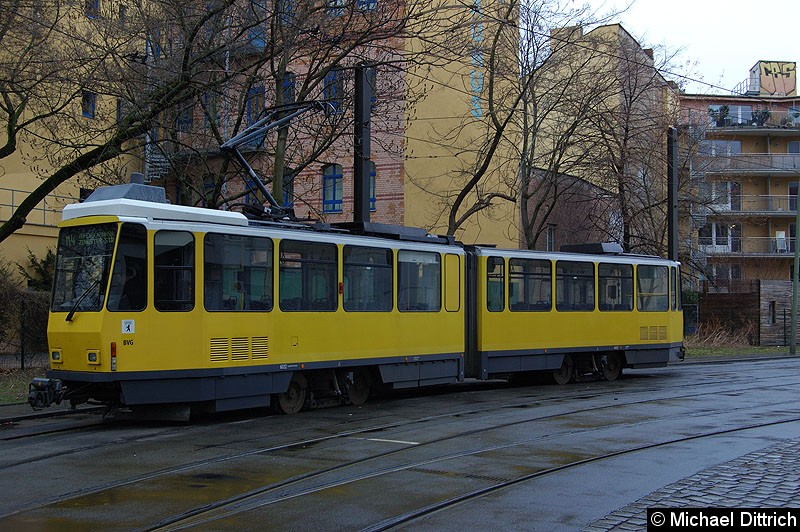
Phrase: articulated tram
pixel 168 307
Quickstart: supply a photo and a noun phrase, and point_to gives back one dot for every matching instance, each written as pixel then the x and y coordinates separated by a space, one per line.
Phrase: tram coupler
pixel 44 392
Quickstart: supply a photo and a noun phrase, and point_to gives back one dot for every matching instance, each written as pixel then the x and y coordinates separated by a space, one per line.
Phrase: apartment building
pixel 744 169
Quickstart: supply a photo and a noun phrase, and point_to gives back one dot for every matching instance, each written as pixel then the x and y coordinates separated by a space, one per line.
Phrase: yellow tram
pixel 189 308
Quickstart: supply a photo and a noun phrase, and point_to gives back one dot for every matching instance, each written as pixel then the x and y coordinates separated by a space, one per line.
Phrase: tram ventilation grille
pixel 260 348
pixel 239 348
pixel 653 332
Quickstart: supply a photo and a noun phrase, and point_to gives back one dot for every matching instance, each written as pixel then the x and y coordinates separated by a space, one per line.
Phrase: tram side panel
pixel 532 310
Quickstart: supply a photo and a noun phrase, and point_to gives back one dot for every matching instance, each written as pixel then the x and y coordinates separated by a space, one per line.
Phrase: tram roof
pixel 153 211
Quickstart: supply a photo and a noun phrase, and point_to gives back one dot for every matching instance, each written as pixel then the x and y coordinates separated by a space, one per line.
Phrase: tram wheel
pixel 293 399
pixel 563 374
pixel 359 387
pixel 612 366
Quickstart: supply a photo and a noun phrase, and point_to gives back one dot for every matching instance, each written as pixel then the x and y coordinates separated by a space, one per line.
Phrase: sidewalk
pixel 766 478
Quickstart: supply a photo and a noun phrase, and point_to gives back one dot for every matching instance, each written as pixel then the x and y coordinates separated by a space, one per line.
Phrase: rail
pixel 46 213
pixel 755 246
pixel 751 163
pixel 750 204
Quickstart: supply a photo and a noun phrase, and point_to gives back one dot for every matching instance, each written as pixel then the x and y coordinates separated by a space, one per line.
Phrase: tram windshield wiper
pixel 85 293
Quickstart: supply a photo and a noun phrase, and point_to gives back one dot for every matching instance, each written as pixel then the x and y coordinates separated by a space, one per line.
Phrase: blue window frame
pixel 254 106
pixel 185 119
pixel 88 104
pixel 92 8
pixel 288 188
pixel 257 34
pixel 287 10
pixel 333 92
pixel 289 87
pixel 334 8
pixel 332 188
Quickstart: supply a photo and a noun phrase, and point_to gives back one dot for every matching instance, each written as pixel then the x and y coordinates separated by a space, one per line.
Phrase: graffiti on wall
pixel 778 78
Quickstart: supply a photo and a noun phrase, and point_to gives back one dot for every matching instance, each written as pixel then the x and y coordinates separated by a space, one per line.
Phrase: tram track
pixel 626 399
pixel 260 497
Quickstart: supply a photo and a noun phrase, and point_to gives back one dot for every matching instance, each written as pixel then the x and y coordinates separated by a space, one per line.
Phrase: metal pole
pixel 672 193
pixel 795 269
pixel 361 144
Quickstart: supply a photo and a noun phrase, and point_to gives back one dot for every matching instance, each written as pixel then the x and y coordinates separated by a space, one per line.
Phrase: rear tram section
pixel 163 306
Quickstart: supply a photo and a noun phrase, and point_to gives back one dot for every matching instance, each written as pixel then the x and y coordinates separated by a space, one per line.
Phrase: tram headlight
pixel 55 356
pixel 93 357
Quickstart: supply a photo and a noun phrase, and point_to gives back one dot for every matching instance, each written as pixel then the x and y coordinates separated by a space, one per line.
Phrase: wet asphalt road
pixel 589 456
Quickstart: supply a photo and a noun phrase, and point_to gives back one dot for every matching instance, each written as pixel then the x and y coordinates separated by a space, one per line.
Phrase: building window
pixel 254 106
pixel 367 279
pixel 288 188
pixel 257 33
pixel 367 5
pixel 551 237
pixel 123 15
pixel 333 92
pixel 332 188
pixel 185 119
pixel 334 8
pixel 92 8
pixel 287 10
pixel 729 115
pixel 88 104
pixel 289 88
pixel 720 148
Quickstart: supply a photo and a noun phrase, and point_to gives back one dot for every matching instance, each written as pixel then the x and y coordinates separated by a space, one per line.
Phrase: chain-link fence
pixel 23 326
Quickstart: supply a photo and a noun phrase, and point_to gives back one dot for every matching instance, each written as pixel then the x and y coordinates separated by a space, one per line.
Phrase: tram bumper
pixel 45 392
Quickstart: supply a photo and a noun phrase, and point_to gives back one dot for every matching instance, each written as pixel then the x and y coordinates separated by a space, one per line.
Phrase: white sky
pixel 724 38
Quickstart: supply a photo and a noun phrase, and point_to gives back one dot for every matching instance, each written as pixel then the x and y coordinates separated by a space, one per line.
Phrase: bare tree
pixel 82 86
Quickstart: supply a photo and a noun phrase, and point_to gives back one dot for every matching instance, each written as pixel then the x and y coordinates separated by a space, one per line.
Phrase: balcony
pixel 779 246
pixel 751 205
pixel 742 118
pixel 747 164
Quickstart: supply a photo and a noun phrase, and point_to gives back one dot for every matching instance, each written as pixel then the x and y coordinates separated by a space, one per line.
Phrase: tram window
pixel 574 285
pixel 495 284
pixel 615 287
pixel 129 278
pixel 307 276
pixel 237 274
pixel 530 285
pixel 367 279
pixel 652 283
pixel 419 281
pixel 174 270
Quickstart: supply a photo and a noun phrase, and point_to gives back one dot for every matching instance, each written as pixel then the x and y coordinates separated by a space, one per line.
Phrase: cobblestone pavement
pixel 762 479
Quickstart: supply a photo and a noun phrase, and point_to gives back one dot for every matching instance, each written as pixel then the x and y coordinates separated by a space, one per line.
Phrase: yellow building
pixel 745 166
pixel 58 112
pixel 456 106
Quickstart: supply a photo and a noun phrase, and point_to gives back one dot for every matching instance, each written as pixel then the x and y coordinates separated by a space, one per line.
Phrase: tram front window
pixel 83 264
